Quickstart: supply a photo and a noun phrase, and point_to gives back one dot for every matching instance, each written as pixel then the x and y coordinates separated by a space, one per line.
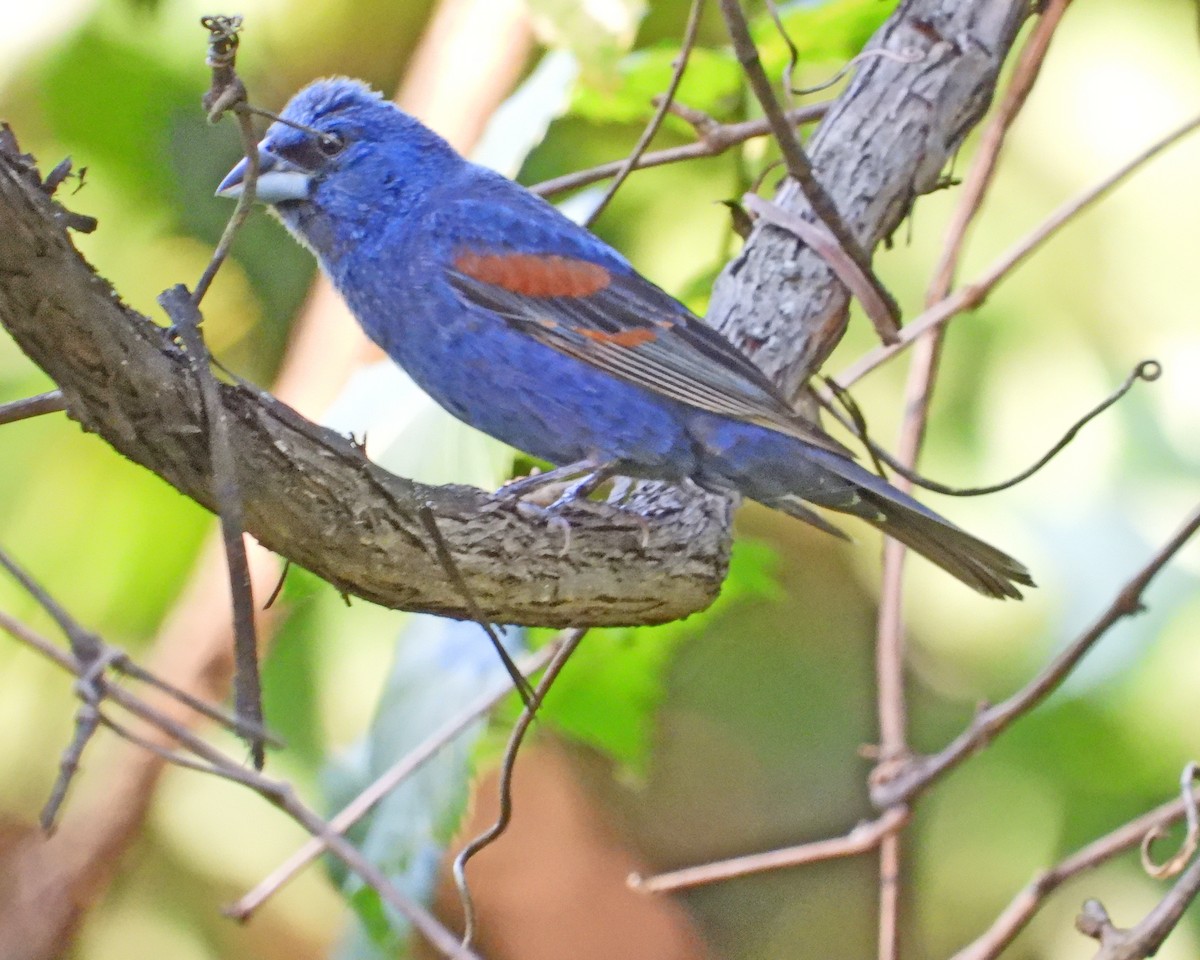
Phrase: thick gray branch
pixel 883 143
pixel 311 496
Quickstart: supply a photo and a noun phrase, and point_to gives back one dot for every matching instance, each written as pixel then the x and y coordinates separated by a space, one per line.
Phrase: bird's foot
pixel 622 490
pixel 522 487
pixel 594 476
pixel 588 476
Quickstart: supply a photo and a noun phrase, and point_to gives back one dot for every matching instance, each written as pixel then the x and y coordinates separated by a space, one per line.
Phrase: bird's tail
pixel 977 564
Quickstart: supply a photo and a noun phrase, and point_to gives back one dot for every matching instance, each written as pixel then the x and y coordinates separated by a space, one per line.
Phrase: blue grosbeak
pixel 528 327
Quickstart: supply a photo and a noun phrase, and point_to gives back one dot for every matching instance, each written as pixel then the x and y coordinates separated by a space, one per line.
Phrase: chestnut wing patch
pixel 628 327
pixel 534 275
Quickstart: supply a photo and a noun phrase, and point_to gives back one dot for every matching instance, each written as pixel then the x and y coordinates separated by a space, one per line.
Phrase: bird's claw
pixel 554 520
pixel 521 487
pixel 596 475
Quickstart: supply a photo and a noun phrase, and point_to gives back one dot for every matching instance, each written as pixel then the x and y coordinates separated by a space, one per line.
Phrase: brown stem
pixel 714 140
pixel 971 295
pixel 1022 908
pixel 660 114
pixel 43 403
pixel 863 838
pixel 917 774
pixel 922 374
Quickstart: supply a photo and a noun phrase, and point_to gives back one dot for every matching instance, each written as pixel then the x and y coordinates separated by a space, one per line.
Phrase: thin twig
pixel 85 645
pixel 971 295
pixel 277 792
pixel 660 113
pixel 182 308
pixel 421 919
pixel 714 141
pixel 917 774
pixel 911 57
pixel 800 169
pixel 89 648
pixel 166 754
pixel 979 178
pixel 43 403
pixel 124 698
pixel 1191 841
pixel 442 552
pixel 889 898
pixel 570 641
pixel 239 725
pixel 1147 371
pixel 825 244
pixel 863 838
pixel 789 69
pixel 228 93
pixel 388 781
pixel 90 690
pixel 923 370
pixel 1022 908
pixel 1145 939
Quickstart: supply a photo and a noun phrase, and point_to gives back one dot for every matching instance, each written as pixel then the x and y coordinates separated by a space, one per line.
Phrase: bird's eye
pixel 331 144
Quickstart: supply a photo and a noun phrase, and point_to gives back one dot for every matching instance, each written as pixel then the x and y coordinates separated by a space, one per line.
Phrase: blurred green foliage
pixel 740 727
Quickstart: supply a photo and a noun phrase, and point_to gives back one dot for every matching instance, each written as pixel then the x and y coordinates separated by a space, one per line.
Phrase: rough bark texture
pixel 882 144
pixel 311 495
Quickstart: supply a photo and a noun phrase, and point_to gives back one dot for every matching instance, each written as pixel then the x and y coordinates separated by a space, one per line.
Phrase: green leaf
pixel 439 666
pixel 377 931
pixel 608 695
pixel 712 83
pixel 116 103
pixel 599 34
pixel 828 32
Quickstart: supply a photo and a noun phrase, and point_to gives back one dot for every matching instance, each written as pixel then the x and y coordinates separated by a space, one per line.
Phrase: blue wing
pixel 618 321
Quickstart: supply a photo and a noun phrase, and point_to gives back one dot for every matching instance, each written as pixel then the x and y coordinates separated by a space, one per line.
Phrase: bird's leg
pixel 594 475
pixel 585 486
pixel 523 486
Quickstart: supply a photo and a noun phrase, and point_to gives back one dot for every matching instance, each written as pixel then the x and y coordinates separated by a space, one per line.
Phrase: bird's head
pixel 341 157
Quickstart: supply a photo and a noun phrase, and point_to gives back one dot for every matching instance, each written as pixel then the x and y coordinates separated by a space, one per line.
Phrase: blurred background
pixel 736 731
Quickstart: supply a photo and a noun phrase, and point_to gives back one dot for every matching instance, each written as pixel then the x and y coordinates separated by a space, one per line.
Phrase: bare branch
pixel 182 307
pixel 1025 904
pixel 863 838
pixel 917 774
pixel 1143 940
pixel 43 403
pixel 714 140
pixel 890 637
pixel 889 898
pixel 89 688
pixel 388 781
pixel 277 792
pixel 226 94
pixel 447 561
pixel 971 295
pixel 660 112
